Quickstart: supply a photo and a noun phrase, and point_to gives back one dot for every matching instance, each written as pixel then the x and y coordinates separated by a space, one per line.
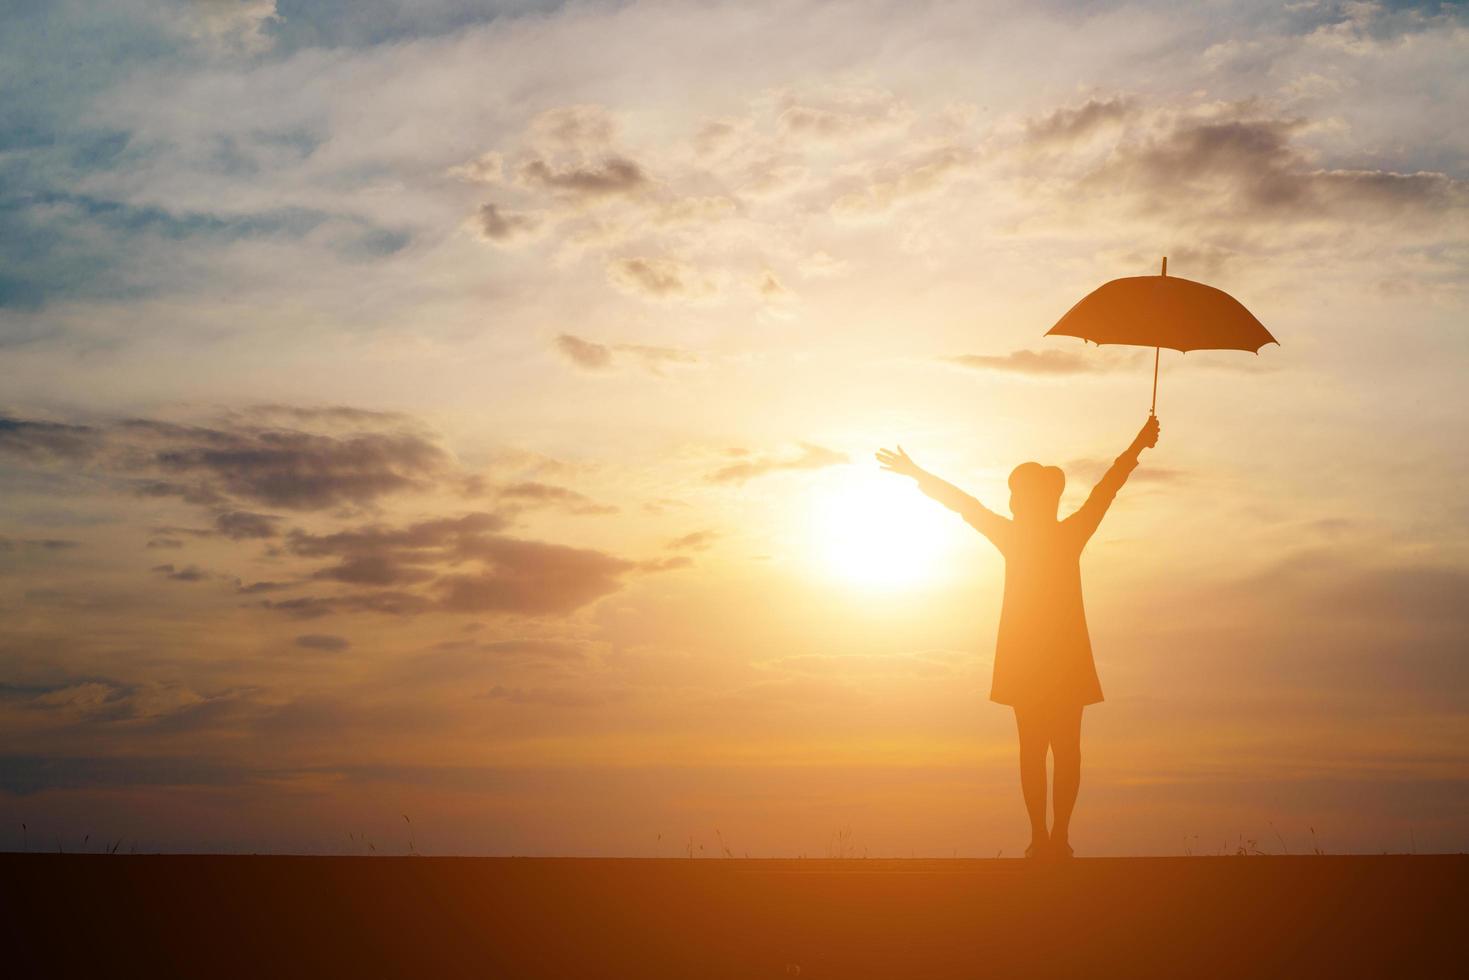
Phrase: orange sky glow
pixel 471 417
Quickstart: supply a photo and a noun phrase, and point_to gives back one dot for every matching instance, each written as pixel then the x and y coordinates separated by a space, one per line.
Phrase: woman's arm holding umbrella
pixel 1090 514
pixel 976 514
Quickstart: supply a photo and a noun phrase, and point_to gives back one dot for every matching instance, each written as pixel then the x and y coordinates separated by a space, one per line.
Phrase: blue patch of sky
pixel 366 23
pixel 56 58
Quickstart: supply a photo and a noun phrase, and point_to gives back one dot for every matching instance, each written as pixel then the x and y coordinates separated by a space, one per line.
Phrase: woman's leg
pixel 1065 738
pixel 1034 731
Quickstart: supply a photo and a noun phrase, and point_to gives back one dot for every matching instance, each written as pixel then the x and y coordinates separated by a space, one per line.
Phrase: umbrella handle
pixel 1153 408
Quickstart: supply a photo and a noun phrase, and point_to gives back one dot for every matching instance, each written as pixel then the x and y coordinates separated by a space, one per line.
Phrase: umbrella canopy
pixel 1163 311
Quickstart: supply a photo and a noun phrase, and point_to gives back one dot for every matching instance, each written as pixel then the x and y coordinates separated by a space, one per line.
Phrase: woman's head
pixel 1035 491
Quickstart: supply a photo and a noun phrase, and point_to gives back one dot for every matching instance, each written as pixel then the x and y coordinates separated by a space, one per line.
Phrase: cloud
pixel 551 697
pixel 609 178
pixel 515 576
pixel 585 354
pixel 36 544
pixel 40 441
pixel 592 356
pixel 547 494
pixel 535 649
pixel 502 227
pixel 385 602
pixel 240 525
pixel 379 555
pixel 840 115
pixel 658 277
pixel 230 23
pixel 256 588
pixel 811 457
pixel 1238 163
pixel 655 359
pixel 888 183
pixel 1043 363
pixel 1092 469
pixel 531 578
pixel 282 467
pixel 581 129
pixel 671 563
pixel 323 641
pixel 1071 124
pixel 693 541
pixel 189 573
pixel 298 470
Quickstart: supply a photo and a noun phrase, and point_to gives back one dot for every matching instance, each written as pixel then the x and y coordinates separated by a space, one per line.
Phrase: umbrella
pixel 1163 311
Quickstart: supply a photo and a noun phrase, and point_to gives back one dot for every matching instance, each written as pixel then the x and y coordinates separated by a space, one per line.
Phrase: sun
pixel 877 531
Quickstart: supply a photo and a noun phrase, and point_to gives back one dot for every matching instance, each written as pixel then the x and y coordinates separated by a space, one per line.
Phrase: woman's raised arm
pixel 976 514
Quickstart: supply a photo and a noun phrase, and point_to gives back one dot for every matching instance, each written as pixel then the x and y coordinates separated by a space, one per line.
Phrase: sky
pixel 447 427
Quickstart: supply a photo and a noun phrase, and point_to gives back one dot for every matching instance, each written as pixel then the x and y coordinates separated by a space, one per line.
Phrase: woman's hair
pixel 1034 487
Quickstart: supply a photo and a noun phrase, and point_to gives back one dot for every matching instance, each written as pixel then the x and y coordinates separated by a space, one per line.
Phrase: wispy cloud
pixel 1045 363
pixel 811 457
pixel 590 355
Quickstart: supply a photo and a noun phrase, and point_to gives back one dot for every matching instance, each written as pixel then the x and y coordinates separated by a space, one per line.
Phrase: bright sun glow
pixel 878 531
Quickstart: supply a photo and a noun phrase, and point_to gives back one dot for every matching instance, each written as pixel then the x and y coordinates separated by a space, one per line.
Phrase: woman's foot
pixel 1061 849
pixel 1038 849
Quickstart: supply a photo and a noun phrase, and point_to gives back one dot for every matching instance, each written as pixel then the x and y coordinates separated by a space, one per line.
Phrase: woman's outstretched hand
pixel 1147 437
pixel 898 462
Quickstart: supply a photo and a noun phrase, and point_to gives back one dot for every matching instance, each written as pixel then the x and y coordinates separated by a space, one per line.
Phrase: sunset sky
pixel 466 411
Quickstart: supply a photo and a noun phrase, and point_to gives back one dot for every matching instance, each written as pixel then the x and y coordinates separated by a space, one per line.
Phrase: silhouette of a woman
pixel 1043 657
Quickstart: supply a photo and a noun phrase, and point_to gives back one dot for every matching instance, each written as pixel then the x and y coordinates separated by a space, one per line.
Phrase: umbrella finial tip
pixel 1165 266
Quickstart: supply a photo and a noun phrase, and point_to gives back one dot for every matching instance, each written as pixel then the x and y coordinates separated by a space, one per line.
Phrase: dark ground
pixel 165 916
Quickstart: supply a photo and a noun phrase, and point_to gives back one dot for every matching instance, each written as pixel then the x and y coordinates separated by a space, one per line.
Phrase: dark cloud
pixel 513 575
pixel 811 457
pixel 693 541
pixel 36 544
pixel 256 588
pixel 613 176
pixel 377 555
pixel 1070 124
pixel 301 470
pixel 239 525
pixel 387 602
pixel 323 641
pixel 1042 362
pixel 213 466
pixel 39 441
pixel 330 416
pixel 501 227
pixel 189 573
pixel 198 492
pixel 1242 166
pixel 533 493
pixel 531 577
